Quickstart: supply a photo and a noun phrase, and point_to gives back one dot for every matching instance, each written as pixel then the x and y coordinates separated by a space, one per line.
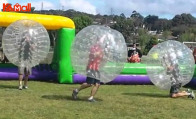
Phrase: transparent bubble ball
pixel 99 52
pixel 168 63
pixel 25 43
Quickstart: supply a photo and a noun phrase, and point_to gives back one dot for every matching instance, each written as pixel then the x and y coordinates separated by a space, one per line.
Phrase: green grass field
pixel 45 100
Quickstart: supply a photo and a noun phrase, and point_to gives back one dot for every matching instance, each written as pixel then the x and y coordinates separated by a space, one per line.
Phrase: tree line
pixel 139 29
pixel 147 31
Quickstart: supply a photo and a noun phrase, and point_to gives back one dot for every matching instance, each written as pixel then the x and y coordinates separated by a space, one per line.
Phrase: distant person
pixel 134 54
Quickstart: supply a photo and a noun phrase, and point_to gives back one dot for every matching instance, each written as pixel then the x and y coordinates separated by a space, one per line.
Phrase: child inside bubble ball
pixel 93 74
pixel 172 69
pixel 26 52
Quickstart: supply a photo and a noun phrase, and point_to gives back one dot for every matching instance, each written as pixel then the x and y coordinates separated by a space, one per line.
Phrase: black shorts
pixel 90 80
pixel 175 89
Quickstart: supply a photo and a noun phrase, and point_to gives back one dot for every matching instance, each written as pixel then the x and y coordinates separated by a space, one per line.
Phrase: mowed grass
pixel 44 100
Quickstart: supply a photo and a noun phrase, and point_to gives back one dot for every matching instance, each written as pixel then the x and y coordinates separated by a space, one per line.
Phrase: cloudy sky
pixel 162 8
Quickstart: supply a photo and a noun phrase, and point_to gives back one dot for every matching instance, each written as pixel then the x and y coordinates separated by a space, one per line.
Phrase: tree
pixel 122 16
pixel 143 38
pixel 82 22
pixel 192 29
pixel 183 19
pixel 150 20
pixel 137 19
pixel 178 30
pixel 166 34
pixel 177 20
pixel 152 42
pixel 190 37
pixel 161 25
pixel 125 26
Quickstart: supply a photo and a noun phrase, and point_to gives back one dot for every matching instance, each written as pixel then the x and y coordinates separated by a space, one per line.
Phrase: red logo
pixel 16 8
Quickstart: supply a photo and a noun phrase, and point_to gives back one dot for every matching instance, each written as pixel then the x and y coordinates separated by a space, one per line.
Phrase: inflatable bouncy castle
pixel 61 60
pixel 61 68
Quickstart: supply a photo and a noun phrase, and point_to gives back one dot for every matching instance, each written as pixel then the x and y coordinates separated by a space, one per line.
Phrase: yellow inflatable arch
pixel 66 34
pixel 50 22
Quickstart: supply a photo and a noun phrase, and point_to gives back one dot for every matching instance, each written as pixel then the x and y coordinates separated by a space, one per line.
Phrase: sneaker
pixel 74 94
pixel 20 87
pixel 188 90
pixel 192 95
pixel 92 100
pixel 25 87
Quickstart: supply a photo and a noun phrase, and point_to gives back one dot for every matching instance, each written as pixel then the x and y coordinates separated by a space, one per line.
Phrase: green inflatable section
pixel 7 65
pixel 139 69
pixel 134 68
pixel 62 57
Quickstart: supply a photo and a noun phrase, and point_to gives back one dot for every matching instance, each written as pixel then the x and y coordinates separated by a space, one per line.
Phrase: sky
pixel 162 8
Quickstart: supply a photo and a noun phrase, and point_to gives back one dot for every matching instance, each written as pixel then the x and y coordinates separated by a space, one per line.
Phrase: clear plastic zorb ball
pixel 25 43
pixel 170 63
pixel 99 52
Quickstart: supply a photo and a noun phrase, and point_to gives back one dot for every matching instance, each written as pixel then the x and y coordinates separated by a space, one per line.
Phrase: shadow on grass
pixel 64 97
pixel 8 86
pixel 156 95
pixel 46 81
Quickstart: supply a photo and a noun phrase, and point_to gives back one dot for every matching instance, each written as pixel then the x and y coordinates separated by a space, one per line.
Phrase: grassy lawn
pixel 44 100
